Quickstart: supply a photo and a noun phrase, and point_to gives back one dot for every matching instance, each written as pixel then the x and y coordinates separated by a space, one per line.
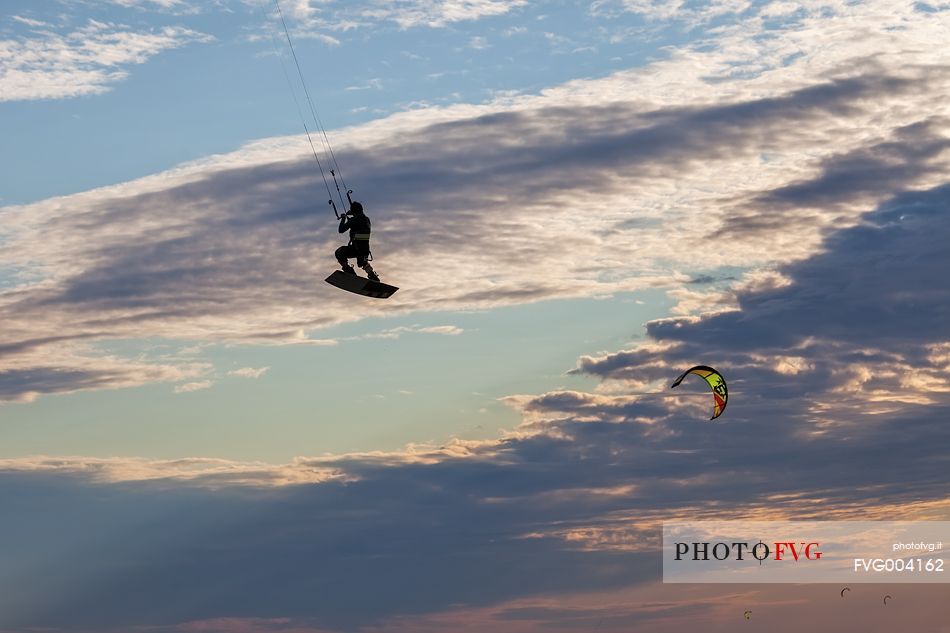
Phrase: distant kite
pixel 845 589
pixel 885 599
pixel 747 615
pixel 716 382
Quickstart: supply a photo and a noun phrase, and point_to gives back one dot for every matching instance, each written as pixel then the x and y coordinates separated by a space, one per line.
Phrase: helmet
pixel 356 207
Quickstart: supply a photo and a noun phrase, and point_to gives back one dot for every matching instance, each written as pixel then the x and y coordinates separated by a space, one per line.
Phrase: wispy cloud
pixel 56 365
pixel 190 387
pixel 173 6
pixel 396 332
pixel 29 21
pixel 329 40
pixel 668 10
pixel 164 4
pixel 449 330
pixel 249 372
pixel 438 13
pixel 371 84
pixel 309 18
pixel 87 60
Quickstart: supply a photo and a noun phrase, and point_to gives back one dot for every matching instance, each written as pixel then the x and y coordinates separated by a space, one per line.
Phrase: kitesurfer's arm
pixel 343 223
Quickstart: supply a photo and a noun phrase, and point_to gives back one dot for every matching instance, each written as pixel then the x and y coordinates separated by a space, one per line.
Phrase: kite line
pixel 327 147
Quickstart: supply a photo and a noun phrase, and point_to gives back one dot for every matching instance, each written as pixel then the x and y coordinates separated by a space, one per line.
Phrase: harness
pixel 364 238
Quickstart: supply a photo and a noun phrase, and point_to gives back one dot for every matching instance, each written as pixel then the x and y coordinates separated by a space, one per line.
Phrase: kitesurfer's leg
pixel 363 262
pixel 369 271
pixel 342 254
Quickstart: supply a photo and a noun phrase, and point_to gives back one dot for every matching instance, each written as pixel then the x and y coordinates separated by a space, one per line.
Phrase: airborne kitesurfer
pixel 359 226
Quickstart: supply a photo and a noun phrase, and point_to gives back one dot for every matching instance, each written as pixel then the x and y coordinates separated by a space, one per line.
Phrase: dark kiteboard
pixel 361 285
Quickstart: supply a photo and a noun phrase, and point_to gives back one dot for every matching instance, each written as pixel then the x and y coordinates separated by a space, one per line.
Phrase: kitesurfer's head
pixel 356 208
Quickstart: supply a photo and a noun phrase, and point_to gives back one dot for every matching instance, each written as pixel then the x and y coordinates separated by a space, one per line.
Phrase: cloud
pixel 190 387
pixel 29 21
pixel 309 19
pixel 911 154
pixel 87 60
pixel 469 544
pixel 371 84
pixel 843 352
pixel 203 472
pixel 249 372
pixel 329 40
pixel 397 332
pixel 879 308
pixel 56 365
pixel 165 4
pixel 179 6
pixel 448 330
pixel 438 13
pixel 674 10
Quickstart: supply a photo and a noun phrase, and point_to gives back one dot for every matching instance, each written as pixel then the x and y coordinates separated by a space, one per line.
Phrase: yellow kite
pixel 716 382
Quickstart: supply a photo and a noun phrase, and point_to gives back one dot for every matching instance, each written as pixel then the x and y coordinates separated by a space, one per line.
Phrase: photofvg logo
pixel 744 551
pixel 804 551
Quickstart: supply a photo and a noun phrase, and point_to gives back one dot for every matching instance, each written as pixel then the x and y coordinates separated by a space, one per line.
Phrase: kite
pixel 845 589
pixel 885 599
pixel 716 382
pixel 748 615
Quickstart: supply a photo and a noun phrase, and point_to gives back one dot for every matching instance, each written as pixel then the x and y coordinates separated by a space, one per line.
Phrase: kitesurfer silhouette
pixel 359 226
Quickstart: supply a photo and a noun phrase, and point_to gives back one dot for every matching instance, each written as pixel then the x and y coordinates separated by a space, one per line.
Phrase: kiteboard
pixel 360 285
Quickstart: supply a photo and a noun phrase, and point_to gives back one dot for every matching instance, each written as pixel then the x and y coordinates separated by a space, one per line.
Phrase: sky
pixel 578 201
